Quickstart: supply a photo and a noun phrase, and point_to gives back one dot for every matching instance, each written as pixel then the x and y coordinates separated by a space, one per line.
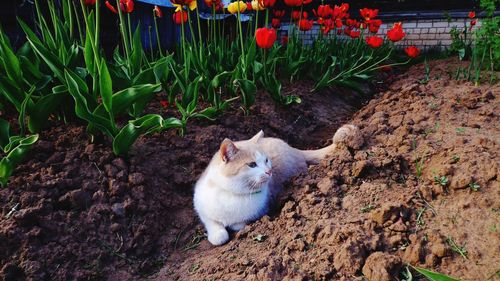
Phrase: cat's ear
pixel 257 137
pixel 227 150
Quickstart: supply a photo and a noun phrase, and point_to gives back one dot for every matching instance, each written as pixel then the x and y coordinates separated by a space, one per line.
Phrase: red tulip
pixel 89 2
pixel 368 14
pixel 472 14
pixel 284 40
pixel 293 3
pixel 249 6
pixel 340 11
pixel 164 103
pixel 305 2
pixel 374 41
pixel 396 32
pixel 327 26
pixel 216 4
pixel 158 12
pixel 265 37
pixel 472 23
pixel 279 13
pixel 353 23
pixel 111 7
pixel 305 24
pixel 267 3
pixel 127 6
pixel 374 25
pixel 296 15
pixel 324 11
pixel 338 23
pixel 355 34
pixel 412 51
pixel 276 23
pixel 180 17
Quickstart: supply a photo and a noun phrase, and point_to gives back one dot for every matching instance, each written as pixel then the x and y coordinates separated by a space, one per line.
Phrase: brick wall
pixel 424 33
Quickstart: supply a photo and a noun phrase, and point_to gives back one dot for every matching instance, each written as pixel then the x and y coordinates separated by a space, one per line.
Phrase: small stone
pixel 120 163
pixel 116 188
pixel 115 227
pixel 460 181
pixel 381 266
pixel 118 209
pixel 89 148
pixel 360 167
pixel 325 185
pixel 136 178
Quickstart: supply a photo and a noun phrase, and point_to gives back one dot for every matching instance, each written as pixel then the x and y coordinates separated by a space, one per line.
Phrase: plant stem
pixel 97 23
pixel 157 35
pixel 78 23
pixel 124 34
pixel 151 42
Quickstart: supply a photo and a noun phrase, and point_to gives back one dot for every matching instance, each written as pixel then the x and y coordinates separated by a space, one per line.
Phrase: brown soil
pixel 85 214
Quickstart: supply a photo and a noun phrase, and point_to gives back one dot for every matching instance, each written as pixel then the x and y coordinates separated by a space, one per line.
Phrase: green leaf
pixel 39 112
pixel 88 55
pixel 14 156
pixel 106 88
pixel 11 62
pixel 124 99
pixel 22 112
pixel 434 276
pixel 4 133
pixel 144 125
pixel 50 59
pixel 136 56
pixel 81 106
pixel 248 91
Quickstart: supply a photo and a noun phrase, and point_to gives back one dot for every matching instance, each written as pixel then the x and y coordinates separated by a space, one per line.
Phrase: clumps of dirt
pixel 80 213
pixel 422 190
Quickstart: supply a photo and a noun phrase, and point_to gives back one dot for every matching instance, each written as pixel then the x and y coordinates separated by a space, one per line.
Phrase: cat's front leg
pixel 217 233
pixel 237 226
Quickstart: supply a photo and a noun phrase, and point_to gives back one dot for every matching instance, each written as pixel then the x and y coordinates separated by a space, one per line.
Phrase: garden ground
pixel 403 196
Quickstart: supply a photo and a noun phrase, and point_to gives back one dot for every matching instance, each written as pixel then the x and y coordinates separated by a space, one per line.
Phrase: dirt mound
pixel 84 214
pixel 422 190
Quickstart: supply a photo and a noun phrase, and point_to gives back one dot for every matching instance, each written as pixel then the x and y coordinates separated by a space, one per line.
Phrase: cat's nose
pixel 269 172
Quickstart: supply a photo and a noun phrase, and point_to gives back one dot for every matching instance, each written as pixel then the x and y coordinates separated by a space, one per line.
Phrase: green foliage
pixel 433 276
pixel 61 73
pixel 15 149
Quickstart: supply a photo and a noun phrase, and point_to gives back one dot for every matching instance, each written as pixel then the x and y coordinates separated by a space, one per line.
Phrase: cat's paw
pixel 237 226
pixel 218 237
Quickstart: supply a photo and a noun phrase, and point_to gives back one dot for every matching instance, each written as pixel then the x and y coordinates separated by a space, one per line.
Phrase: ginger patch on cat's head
pixel 236 158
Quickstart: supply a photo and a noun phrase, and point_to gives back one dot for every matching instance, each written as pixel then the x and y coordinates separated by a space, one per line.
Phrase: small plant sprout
pixel 420 217
pixel 259 238
pixel 427 70
pixel 457 248
pixel 460 130
pixel 441 180
pixel 474 186
pixel 455 158
pixel 367 208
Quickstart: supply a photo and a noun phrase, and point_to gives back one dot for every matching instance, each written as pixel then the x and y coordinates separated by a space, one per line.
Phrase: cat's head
pixel 244 165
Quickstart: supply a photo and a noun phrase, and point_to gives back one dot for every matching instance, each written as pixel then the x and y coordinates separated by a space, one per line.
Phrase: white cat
pixel 243 176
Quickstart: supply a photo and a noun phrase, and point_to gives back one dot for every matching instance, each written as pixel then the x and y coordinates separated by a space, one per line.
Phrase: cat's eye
pixel 267 160
pixel 252 164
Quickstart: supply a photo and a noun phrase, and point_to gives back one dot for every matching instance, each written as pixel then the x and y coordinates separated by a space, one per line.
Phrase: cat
pixel 243 176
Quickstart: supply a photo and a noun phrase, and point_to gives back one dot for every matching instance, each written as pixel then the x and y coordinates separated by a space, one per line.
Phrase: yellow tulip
pixel 257 5
pixel 233 7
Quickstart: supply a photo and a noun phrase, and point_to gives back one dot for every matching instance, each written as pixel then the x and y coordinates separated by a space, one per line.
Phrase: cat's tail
pixel 347 135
